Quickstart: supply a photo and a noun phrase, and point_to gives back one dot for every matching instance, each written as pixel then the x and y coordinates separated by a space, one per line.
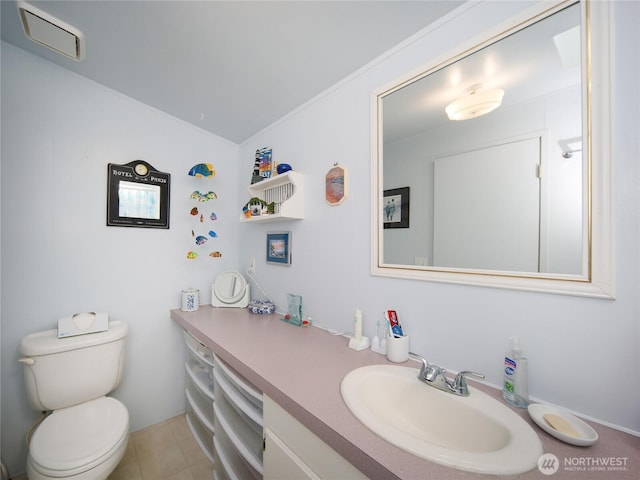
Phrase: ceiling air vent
pixel 51 32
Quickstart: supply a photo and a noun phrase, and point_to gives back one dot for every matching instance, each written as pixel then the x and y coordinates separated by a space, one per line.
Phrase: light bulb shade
pixel 475 104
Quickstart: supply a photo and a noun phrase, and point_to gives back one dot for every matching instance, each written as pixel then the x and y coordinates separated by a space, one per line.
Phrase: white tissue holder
pixel 83 323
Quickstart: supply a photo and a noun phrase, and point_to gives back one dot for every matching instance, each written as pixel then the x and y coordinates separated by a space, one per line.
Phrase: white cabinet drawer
pixel 281 463
pixel 293 447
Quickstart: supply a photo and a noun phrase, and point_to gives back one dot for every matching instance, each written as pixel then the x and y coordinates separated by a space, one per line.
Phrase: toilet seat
pixel 73 440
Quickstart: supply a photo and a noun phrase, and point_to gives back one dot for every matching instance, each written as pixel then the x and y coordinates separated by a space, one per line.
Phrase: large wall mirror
pixel 505 149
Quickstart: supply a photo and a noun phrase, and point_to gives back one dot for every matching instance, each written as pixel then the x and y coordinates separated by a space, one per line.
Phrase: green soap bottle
pixel 515 385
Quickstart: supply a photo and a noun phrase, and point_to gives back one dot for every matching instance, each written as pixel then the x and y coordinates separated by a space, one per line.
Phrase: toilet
pixel 86 434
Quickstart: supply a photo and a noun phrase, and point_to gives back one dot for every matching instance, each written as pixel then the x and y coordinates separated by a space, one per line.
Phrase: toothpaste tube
pixel 395 329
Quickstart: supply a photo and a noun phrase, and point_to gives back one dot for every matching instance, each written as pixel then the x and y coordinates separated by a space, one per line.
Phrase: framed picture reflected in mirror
pixel 395 208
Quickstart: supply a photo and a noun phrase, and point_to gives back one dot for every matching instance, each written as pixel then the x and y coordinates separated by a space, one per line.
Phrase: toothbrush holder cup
pixel 398 349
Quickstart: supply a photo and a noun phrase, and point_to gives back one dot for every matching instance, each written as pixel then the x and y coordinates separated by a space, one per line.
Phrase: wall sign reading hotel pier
pixel 137 196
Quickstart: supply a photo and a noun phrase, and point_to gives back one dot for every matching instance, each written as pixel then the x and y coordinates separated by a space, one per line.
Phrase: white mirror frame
pixel 599 261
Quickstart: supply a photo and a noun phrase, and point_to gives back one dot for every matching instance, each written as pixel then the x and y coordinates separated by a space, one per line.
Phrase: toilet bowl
pixel 83 442
pixel 85 436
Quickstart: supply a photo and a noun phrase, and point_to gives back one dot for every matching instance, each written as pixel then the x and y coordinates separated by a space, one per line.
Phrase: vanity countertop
pixel 301 369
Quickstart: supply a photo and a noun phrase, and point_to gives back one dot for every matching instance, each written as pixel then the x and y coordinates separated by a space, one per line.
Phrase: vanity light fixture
pixel 51 32
pixel 475 103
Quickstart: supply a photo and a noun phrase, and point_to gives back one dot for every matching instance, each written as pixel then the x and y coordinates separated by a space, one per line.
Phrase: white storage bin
pixel 230 460
pixel 199 393
pixel 201 433
pixel 200 402
pixel 244 409
pixel 200 371
pixel 245 434
pixel 247 396
pixel 198 348
pixel 219 472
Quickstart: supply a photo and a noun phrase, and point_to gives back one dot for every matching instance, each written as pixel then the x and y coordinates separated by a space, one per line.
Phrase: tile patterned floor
pixel 165 451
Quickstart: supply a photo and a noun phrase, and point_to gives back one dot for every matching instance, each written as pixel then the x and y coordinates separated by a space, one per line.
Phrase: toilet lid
pixel 77 438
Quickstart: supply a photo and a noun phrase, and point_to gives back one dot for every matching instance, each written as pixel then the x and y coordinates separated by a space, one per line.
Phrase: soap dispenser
pixel 515 387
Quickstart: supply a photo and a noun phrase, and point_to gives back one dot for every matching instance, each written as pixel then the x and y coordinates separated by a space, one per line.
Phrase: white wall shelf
pixel 286 191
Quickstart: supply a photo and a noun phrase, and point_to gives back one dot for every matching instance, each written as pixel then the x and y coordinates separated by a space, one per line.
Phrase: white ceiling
pixel 229 67
pixel 525 64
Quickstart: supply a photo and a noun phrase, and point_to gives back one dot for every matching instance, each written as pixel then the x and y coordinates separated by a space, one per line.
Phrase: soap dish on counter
pixel 568 428
pixel 262 307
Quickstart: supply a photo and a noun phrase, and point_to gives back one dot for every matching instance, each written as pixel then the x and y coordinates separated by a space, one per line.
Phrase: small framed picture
pixel 279 248
pixel 336 184
pixel 395 208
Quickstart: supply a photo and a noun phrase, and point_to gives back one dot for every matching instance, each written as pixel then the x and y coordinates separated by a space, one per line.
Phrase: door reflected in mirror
pixel 495 145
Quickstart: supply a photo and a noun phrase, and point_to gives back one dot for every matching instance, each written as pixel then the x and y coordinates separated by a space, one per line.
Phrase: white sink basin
pixel 475 433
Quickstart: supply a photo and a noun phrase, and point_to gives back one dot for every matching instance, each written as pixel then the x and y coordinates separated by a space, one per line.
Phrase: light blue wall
pixel 59 132
pixel 582 351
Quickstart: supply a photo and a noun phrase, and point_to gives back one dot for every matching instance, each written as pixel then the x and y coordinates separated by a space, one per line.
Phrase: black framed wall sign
pixel 137 196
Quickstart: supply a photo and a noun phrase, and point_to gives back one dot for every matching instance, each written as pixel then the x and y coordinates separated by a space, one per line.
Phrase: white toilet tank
pixel 61 372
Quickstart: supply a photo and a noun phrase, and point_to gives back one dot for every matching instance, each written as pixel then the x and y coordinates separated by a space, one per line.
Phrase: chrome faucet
pixel 435 376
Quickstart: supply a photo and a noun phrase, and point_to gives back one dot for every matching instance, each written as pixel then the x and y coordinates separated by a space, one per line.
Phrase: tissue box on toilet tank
pixel 83 323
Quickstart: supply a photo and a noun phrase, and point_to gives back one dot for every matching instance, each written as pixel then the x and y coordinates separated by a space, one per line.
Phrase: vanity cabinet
pixel 224 414
pixel 293 451
pixel 236 427
pixel 286 191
